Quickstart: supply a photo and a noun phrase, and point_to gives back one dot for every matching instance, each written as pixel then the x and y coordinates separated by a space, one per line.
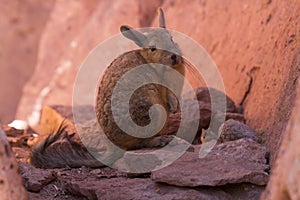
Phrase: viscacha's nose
pixel 174 59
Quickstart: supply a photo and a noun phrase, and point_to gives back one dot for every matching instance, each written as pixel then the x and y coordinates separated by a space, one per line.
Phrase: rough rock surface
pixel 34 178
pixel 86 183
pixel 232 162
pixel 11 186
pixel 106 183
pixel 285 176
pixel 139 189
pixel 234 130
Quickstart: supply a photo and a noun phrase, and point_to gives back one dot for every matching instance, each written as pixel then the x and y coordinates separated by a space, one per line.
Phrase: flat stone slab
pixel 232 162
pixel 139 188
pixel 106 183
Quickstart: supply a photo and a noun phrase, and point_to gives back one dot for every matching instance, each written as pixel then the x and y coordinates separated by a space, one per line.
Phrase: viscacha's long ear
pixel 161 17
pixel 139 38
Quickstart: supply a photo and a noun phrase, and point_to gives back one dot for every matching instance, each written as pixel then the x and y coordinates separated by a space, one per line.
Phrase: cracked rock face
pixel 285 176
pixel 11 186
pixel 232 162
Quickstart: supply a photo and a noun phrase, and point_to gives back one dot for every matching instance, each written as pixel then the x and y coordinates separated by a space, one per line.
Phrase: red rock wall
pixel 285 179
pixel 73 30
pixel 21 25
pixel 262 37
pixel 259 37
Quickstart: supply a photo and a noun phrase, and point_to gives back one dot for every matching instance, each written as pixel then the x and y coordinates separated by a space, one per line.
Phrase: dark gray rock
pixel 234 130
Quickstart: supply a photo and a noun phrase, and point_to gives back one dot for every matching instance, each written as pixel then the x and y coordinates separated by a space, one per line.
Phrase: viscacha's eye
pixel 153 48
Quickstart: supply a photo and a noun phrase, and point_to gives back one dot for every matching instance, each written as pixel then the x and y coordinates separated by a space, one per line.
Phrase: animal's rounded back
pixel 152 44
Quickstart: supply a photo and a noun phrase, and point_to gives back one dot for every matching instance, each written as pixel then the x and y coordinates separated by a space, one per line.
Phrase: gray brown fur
pixel 140 103
pixel 144 97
